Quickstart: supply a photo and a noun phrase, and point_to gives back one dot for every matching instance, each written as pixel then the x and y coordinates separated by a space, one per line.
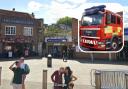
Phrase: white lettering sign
pixel 94 42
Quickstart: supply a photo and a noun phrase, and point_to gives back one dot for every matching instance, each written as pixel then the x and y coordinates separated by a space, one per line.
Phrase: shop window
pixel 28 31
pixel 8 48
pixel 10 30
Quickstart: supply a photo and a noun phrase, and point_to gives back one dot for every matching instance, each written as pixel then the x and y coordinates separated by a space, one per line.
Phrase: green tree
pixel 65 20
pixel 54 31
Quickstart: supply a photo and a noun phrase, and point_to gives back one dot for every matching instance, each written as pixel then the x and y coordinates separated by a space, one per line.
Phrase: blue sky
pixel 52 10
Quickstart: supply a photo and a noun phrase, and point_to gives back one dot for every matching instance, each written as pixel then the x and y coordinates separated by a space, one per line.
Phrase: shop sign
pixel 126 34
pixel 57 44
pixel 126 31
pixel 56 40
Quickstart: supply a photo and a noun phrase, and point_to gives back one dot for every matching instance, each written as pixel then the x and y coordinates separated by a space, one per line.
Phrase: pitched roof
pixel 12 13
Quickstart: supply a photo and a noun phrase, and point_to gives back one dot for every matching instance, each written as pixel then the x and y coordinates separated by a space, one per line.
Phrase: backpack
pixel 27 69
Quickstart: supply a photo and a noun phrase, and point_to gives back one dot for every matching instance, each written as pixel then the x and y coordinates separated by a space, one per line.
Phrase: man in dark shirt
pixel 57 78
pixel 18 75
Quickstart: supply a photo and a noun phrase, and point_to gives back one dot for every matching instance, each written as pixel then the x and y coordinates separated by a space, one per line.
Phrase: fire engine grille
pixel 91 33
pixel 90 45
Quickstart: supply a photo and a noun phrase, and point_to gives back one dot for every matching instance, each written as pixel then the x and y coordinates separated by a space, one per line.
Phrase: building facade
pixel 18 33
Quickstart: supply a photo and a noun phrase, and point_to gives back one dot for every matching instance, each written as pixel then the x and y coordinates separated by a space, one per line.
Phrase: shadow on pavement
pixel 38 85
pixel 14 59
pixel 103 61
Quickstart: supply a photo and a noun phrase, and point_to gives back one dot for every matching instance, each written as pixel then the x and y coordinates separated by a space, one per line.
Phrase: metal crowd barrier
pixel 0 74
pixel 109 79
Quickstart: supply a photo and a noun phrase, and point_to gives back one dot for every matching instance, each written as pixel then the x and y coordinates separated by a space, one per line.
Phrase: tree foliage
pixel 54 31
pixel 65 20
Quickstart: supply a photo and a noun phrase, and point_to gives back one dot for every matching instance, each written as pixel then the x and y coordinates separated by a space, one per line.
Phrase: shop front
pixel 56 46
pixel 16 46
pixel 123 55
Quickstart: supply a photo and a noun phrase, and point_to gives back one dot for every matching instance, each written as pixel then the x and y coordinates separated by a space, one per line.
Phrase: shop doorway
pixel 123 55
pixel 57 51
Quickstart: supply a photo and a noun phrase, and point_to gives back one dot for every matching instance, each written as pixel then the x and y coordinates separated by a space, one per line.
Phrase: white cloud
pixel 73 8
pixel 71 1
pixel 126 16
pixel 34 6
pixel 58 10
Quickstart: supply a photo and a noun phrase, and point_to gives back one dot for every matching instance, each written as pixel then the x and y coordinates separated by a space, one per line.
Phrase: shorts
pixel 17 86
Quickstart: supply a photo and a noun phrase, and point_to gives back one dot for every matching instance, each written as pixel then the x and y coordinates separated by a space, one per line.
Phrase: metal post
pixel 92 57
pixel 124 56
pixel 0 74
pixel 44 81
pixel 126 78
pixel 98 80
pixel 110 56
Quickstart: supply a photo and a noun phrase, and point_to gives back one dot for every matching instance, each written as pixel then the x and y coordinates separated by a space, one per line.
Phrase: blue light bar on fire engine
pixel 94 9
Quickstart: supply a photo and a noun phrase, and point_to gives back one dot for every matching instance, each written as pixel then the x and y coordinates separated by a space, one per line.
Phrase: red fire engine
pixel 101 29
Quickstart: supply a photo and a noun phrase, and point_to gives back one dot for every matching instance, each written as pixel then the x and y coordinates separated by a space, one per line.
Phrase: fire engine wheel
pixel 114 44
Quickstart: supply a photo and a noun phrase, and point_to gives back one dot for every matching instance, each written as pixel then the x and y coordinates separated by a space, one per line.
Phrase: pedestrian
pixel 26 68
pixel 18 75
pixel 26 52
pixel 57 78
pixel 10 54
pixel 69 78
pixel 69 53
pixel 64 56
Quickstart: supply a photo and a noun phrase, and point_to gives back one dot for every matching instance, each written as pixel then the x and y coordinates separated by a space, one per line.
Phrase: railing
pixel 0 74
pixel 109 79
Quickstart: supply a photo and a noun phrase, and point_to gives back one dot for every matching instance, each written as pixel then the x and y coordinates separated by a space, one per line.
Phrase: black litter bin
pixel 49 60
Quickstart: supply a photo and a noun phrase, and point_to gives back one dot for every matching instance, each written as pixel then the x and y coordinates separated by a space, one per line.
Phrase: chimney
pixel 33 15
pixel 13 9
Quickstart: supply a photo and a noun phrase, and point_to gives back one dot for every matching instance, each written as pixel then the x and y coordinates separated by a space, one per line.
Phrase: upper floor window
pixel 28 31
pixel 10 30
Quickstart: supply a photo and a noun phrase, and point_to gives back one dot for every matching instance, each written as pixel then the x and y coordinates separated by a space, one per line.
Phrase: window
pixel 118 20
pixel 10 30
pixel 113 19
pixel 28 31
pixel 108 18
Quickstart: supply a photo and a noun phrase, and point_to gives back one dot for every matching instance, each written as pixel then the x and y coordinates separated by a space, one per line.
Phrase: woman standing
pixel 69 78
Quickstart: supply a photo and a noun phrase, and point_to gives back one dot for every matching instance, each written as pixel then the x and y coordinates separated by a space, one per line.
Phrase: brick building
pixel 19 32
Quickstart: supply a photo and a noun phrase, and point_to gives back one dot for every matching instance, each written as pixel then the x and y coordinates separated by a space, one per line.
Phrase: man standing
pixel 57 78
pixel 18 75
pixel 64 56
pixel 26 68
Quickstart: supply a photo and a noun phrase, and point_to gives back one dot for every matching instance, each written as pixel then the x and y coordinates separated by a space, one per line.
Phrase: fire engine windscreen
pixel 94 19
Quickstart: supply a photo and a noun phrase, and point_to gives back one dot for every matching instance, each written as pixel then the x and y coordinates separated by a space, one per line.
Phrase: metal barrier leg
pixel 126 77
pixel 44 79
pixel 0 74
pixel 98 80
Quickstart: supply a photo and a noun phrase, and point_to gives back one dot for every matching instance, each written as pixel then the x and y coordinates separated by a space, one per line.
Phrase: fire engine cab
pixel 101 29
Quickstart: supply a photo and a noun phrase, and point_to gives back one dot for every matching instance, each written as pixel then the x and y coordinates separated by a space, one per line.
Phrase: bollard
pixel 0 74
pixel 44 79
pixel 126 79
pixel 49 60
pixel 98 80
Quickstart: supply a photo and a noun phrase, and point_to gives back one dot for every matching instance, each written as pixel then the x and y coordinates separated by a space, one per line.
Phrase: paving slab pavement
pixel 34 79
